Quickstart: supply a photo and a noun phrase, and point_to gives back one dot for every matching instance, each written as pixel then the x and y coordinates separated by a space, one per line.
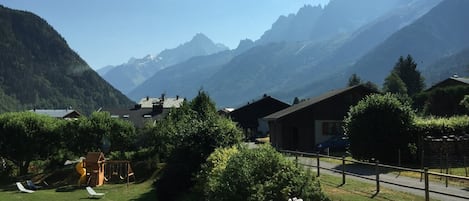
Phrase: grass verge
pixel 355 190
pixel 142 191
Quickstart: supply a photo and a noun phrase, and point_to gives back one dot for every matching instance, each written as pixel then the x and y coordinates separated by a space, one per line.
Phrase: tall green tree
pixel 26 136
pixel 296 100
pixel 406 69
pixel 394 84
pixel 189 135
pixel 354 80
pixel 203 105
pixel 100 132
pixel 378 126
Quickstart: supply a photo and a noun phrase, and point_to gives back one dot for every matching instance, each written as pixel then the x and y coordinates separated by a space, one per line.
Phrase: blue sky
pixel 109 32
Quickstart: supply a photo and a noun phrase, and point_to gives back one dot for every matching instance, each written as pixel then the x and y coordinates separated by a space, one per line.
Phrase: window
pixel 332 128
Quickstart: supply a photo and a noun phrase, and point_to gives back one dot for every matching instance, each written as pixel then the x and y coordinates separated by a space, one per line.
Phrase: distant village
pixel 301 126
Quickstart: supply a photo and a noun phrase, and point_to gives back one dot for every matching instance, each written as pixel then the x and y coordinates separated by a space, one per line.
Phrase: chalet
pixel 452 81
pixel 249 117
pixel 58 113
pixel 303 125
pixel 147 110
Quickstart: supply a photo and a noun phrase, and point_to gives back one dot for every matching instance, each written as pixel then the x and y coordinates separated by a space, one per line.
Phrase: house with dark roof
pixel 250 117
pixel 303 125
pixel 58 113
pixel 452 81
pixel 148 110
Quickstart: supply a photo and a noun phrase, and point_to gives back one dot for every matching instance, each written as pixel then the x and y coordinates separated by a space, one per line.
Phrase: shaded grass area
pixel 138 192
pixel 62 186
pixel 355 190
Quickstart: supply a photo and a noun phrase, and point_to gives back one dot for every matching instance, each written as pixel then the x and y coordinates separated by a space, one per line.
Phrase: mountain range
pixel 127 76
pixel 39 70
pixel 303 56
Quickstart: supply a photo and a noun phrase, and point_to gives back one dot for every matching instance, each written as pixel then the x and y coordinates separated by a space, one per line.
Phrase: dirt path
pixel 389 180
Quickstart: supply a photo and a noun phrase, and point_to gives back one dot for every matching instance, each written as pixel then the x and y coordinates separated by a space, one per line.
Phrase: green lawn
pixel 355 190
pixel 142 191
pixel 460 171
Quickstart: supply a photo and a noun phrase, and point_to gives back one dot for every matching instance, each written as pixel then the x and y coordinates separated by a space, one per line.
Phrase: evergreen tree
pixel 296 101
pixel 354 80
pixel 407 71
pixel 371 86
pixel 394 84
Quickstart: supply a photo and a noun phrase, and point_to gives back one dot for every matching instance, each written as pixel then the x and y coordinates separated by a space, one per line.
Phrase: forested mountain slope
pixel 39 70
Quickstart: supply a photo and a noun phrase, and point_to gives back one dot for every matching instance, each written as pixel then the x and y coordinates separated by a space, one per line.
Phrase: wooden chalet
pixel 303 125
pixel 250 116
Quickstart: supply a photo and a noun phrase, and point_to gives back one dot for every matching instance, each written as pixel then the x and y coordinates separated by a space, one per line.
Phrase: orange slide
pixel 82 171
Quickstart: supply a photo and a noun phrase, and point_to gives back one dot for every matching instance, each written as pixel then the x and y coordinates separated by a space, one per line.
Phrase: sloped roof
pixel 461 80
pixel 93 157
pixel 137 116
pixel 167 103
pixel 309 102
pixel 249 114
pixel 60 113
pixel 264 100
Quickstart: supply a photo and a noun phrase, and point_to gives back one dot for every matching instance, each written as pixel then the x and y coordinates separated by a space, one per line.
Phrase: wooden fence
pixel 377 171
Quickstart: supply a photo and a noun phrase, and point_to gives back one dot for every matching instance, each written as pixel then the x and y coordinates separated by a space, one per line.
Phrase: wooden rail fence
pixel 377 167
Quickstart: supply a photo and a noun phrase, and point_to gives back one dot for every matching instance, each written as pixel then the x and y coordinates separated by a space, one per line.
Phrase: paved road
pixel 387 178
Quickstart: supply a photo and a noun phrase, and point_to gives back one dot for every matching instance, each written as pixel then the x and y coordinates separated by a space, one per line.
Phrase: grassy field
pixel 360 191
pixel 138 192
pixel 353 190
pixel 460 171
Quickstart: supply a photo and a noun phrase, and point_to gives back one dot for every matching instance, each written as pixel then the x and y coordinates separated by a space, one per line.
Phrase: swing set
pixel 94 170
pixel 118 171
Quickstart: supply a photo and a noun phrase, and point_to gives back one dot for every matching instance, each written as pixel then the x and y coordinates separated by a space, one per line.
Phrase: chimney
pixel 162 96
pixel 177 97
pixel 148 98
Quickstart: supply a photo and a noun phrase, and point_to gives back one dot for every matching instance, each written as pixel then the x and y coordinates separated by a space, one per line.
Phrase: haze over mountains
pixel 302 55
pixel 127 76
pixel 317 49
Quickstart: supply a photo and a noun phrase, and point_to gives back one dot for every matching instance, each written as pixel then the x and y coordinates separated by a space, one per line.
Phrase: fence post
pixel 318 166
pixel 377 175
pixel 343 170
pixel 447 170
pixel 399 158
pixel 465 166
pixel 296 159
pixel 427 191
pixel 421 163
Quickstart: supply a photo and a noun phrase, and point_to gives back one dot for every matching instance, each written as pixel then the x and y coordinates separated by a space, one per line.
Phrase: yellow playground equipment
pixel 95 169
pixel 80 168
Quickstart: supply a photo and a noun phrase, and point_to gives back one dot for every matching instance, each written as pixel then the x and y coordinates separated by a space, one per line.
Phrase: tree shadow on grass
pixel 355 168
pixel 148 196
pixel 68 188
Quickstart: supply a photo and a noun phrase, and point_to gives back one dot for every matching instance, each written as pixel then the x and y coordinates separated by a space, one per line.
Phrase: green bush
pixel 256 175
pixel 439 126
pixel 188 135
pixel 442 101
pixel 378 126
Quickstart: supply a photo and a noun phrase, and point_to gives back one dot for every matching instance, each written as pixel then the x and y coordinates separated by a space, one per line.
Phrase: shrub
pixel 188 136
pixel 439 126
pixel 256 174
pixel 378 126
pixel 444 101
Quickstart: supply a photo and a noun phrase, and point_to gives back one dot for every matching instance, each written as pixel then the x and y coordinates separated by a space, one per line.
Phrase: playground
pixel 95 170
